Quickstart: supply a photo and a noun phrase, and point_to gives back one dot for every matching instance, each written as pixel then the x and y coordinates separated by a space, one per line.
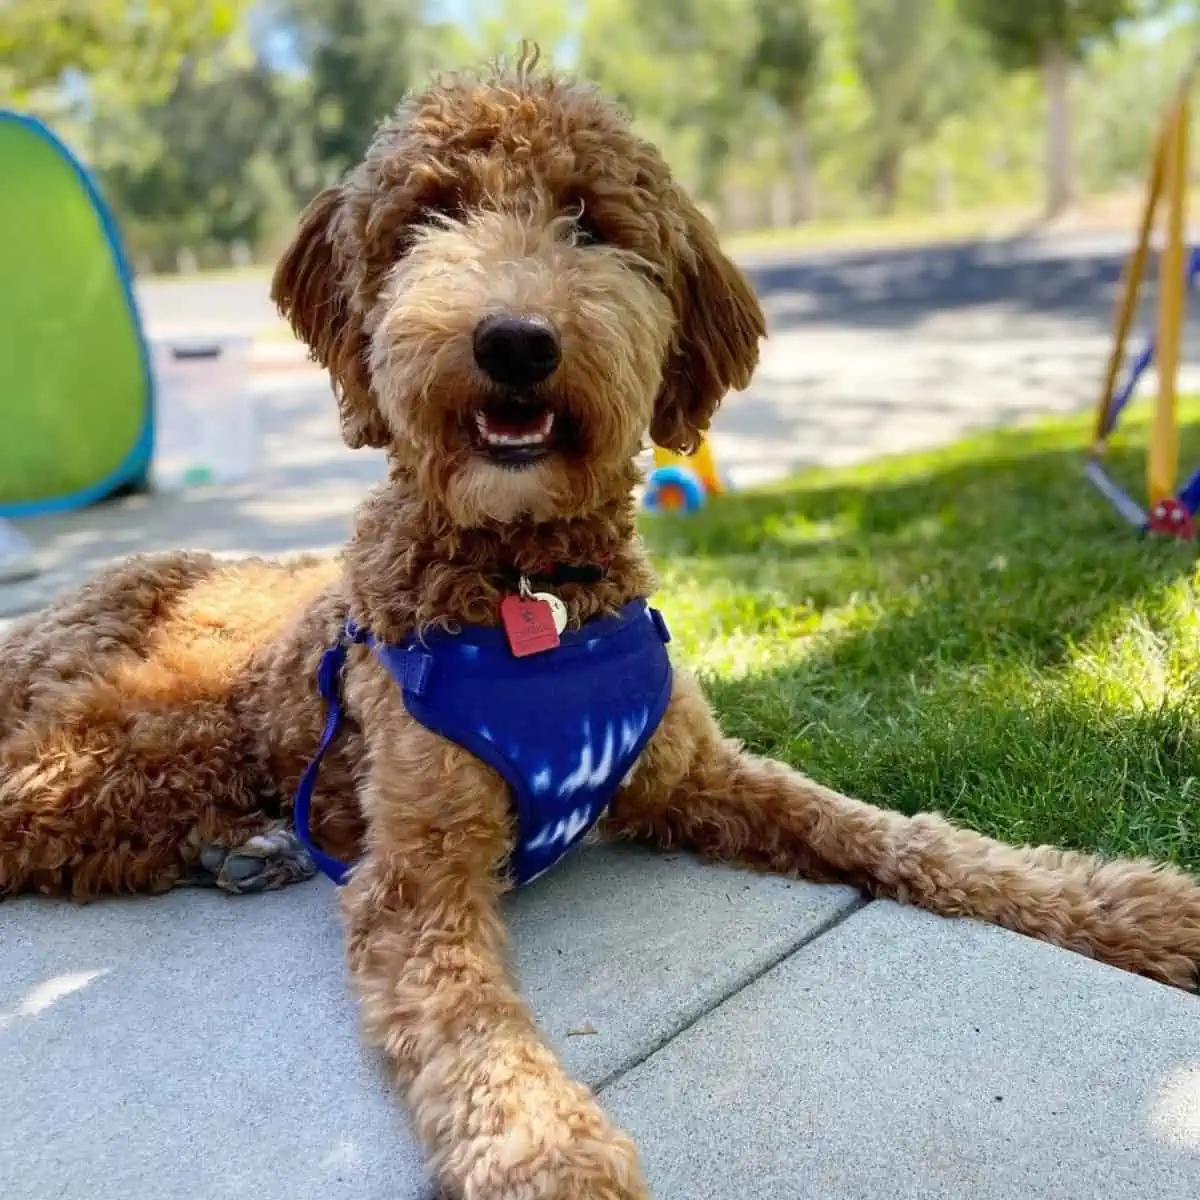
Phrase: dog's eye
pixel 439 209
pixel 586 232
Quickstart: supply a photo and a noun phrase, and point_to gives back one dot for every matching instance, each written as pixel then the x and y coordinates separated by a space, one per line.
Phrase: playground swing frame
pixel 1170 513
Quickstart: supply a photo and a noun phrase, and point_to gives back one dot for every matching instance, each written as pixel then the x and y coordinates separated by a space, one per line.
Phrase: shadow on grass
pixel 1008 522
pixel 991 641
pixel 1011 754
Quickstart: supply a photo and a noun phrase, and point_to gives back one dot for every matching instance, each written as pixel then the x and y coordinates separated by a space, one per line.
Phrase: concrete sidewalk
pixel 760 1038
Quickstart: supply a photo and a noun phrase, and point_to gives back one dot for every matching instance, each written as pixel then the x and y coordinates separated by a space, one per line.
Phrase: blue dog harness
pixel 563 727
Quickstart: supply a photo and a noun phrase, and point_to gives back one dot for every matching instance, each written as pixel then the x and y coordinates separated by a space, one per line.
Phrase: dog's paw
pixel 265 863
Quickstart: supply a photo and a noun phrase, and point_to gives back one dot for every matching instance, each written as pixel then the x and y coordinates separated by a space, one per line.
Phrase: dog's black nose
pixel 516 351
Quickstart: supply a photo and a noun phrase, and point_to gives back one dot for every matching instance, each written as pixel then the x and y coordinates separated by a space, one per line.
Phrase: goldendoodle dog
pixel 509 293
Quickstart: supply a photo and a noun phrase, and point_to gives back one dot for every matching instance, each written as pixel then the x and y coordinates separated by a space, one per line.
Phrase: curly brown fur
pixel 169 706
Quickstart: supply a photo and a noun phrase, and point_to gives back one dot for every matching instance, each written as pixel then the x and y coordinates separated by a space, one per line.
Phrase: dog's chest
pixel 564 728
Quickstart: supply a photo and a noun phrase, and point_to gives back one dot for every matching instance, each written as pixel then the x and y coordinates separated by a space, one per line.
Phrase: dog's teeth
pixel 534 437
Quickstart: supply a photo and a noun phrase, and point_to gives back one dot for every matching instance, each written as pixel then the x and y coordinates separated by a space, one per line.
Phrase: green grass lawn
pixel 972 630
pixel 902 229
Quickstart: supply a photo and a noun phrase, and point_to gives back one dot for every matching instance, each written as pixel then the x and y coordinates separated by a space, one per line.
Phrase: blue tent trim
pixel 134 469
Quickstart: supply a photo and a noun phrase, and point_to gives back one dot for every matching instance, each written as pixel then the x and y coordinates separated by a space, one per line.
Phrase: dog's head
pixel 510 291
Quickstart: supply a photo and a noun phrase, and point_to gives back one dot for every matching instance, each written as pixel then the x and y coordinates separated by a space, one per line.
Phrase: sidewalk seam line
pixel 615 1076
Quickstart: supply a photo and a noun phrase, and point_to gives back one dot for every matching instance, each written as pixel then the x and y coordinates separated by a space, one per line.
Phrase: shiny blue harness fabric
pixel 563 727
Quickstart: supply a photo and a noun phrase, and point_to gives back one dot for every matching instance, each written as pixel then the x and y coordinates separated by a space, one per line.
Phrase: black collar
pixel 559 573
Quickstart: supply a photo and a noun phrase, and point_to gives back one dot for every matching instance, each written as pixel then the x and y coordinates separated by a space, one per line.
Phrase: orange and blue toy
pixel 683 482
pixel 1171 513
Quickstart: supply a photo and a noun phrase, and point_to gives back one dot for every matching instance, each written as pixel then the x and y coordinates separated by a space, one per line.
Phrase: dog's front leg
pixel 701 790
pixel 497 1114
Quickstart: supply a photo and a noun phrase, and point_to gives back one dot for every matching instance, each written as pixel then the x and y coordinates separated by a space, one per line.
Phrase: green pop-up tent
pixel 76 386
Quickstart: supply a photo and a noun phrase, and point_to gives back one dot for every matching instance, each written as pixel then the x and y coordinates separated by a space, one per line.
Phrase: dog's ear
pixel 718 327
pixel 310 290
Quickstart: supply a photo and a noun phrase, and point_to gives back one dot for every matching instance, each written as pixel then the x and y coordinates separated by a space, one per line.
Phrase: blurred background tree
pixel 211 122
pixel 40 40
pixel 917 64
pixel 358 58
pixel 1053 35
pixel 783 64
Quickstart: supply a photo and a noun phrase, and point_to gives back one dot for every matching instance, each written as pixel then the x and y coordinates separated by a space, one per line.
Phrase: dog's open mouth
pixel 515 431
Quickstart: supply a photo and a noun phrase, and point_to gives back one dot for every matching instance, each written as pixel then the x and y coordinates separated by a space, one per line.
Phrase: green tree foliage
pixel 1021 30
pixel 211 122
pixel 217 165
pixel 1120 101
pixel 360 57
pixel 783 64
pixel 915 60
pixel 493 29
pixel 1050 34
pixel 698 50
pixel 40 39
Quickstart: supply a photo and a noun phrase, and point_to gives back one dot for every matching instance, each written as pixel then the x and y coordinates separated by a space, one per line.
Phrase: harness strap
pixel 415 668
pixel 411 666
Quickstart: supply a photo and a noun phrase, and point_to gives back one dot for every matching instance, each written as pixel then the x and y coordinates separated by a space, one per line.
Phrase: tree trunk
pixel 887 180
pixel 804 188
pixel 1060 180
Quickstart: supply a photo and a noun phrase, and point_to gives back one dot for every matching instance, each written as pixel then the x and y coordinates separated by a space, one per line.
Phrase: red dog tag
pixel 529 624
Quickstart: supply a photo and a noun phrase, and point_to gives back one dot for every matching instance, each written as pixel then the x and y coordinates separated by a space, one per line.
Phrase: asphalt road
pixel 870 351
pixel 830 284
